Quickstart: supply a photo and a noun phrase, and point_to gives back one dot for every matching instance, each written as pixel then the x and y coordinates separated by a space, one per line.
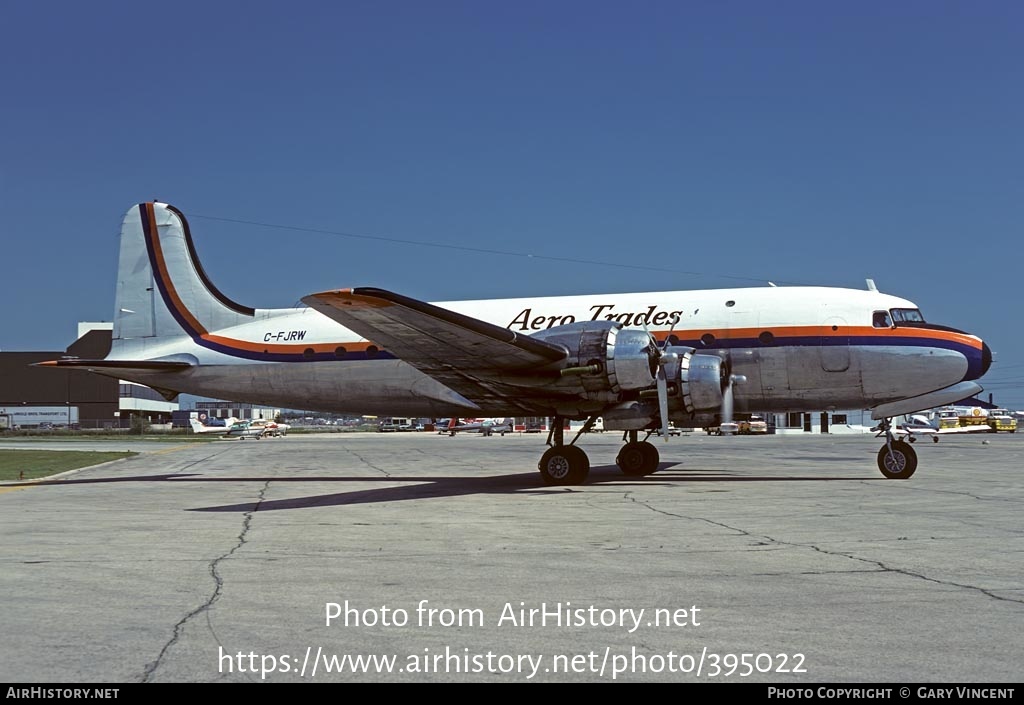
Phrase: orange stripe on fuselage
pixel 286 349
pixel 824 332
pixel 160 265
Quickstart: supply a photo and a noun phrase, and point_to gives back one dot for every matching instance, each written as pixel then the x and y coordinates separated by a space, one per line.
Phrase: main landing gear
pixel 637 457
pixel 564 464
pixel 568 465
pixel 896 459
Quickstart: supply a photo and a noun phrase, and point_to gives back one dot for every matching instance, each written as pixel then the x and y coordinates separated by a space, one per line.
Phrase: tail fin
pixel 162 289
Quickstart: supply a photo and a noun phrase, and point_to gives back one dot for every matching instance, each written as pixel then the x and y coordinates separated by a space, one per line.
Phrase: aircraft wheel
pixel 912 439
pixel 651 457
pixel 639 458
pixel 935 439
pixel 900 463
pixel 630 459
pixel 564 465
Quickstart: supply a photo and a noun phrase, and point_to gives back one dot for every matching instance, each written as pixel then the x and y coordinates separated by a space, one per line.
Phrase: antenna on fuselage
pixel 871 285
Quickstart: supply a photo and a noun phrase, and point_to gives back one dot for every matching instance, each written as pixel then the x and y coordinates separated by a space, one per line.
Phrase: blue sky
pixel 718 144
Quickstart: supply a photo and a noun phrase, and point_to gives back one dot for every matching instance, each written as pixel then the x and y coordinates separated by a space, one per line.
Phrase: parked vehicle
pixel 755 424
pixel 1002 420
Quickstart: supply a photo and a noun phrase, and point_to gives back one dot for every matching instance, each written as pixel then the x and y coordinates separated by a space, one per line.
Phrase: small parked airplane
pixel 211 424
pixel 484 426
pixel 636 360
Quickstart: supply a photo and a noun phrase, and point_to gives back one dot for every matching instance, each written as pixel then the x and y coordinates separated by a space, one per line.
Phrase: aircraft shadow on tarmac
pixel 432 486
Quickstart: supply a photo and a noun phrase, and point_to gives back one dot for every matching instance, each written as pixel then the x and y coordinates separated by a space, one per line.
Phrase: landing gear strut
pixel 564 464
pixel 637 457
pixel 896 459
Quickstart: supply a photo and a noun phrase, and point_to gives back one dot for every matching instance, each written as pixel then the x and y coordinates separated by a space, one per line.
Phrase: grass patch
pixel 43 463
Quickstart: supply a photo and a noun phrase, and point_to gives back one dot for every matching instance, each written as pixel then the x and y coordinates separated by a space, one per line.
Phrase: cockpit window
pixel 907 315
pixel 880 319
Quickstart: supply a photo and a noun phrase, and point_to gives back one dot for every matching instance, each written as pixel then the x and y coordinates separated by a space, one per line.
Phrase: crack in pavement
pixel 367 463
pixel 151 669
pixel 882 567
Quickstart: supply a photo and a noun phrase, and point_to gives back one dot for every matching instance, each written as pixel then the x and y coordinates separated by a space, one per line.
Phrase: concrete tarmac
pixel 773 559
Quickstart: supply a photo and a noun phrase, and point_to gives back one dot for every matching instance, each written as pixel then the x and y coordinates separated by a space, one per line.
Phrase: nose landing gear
pixel 896 459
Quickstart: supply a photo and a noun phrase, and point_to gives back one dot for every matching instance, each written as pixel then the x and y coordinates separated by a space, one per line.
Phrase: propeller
pixel 728 380
pixel 662 359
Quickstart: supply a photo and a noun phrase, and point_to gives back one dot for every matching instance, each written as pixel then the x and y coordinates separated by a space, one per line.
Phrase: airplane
pixel 484 426
pixel 211 424
pixel 270 427
pixel 637 360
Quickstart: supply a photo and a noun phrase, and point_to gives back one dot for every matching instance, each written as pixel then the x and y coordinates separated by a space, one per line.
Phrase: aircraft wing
pixel 466 354
pixel 980 428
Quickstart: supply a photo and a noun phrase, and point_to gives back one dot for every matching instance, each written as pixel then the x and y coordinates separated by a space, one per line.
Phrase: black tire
pixel 631 459
pixel 900 463
pixel 564 465
pixel 651 457
pixel 637 459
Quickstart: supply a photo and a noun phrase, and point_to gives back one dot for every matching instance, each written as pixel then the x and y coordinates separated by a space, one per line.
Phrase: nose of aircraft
pixel 976 367
pixel 986 358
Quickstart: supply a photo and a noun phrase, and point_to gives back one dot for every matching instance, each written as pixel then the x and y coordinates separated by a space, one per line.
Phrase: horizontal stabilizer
pixel 100 365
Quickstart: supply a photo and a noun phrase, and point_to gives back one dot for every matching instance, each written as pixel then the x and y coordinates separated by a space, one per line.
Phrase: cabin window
pixel 880 319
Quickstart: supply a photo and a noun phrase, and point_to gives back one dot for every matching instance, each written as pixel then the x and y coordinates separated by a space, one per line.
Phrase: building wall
pixel 99 399
pixel 96 397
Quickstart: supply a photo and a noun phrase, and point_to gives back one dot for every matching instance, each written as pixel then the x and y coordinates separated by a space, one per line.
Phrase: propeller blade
pixel 728 425
pixel 663 401
pixel 658 353
pixel 727 403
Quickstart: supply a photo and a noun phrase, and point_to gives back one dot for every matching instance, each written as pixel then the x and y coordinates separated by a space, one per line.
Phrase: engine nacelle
pixel 701 380
pixel 605 359
pixel 608 364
